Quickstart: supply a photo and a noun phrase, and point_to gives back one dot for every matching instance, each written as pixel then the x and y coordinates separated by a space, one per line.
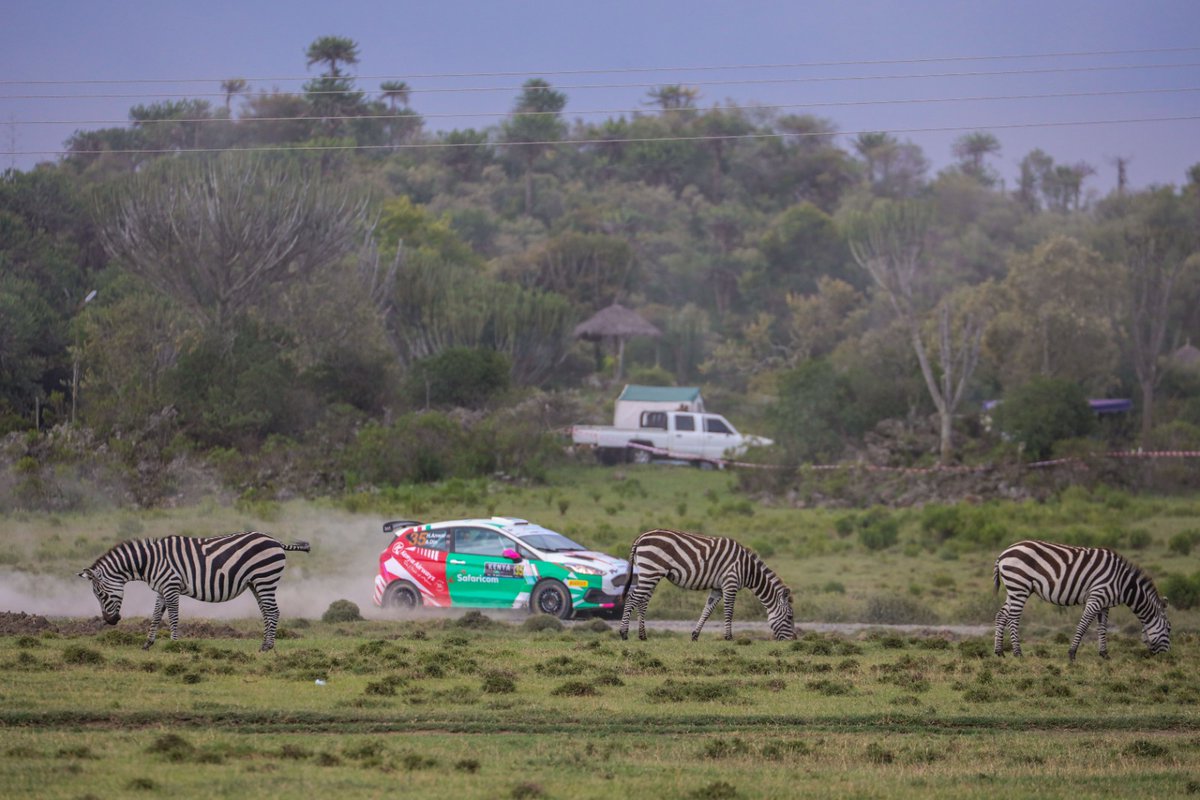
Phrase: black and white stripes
pixel 692 561
pixel 1067 576
pixel 214 569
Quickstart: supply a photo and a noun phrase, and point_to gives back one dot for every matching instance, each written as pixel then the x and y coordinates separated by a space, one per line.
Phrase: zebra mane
pixel 1139 576
pixel 768 573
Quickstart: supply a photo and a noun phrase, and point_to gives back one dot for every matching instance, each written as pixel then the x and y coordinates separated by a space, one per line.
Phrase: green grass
pixel 410 703
pixel 437 708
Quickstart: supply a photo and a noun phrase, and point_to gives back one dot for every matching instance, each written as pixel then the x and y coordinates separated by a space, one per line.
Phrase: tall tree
pixel 889 243
pixel 673 97
pixel 395 92
pixel 332 51
pixel 218 234
pixel 232 87
pixel 534 126
pixel 972 150
pixel 1158 244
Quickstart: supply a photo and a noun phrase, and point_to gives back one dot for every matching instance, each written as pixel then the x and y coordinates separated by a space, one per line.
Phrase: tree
pixel 1060 316
pixel 395 92
pixel 673 98
pixel 1158 238
pixel 332 50
pixel 333 94
pixel 534 125
pixel 232 87
pixel 889 243
pixel 893 169
pixel 218 234
pixel 971 149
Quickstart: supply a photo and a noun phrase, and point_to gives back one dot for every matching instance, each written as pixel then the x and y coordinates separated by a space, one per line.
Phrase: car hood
pixel 592 558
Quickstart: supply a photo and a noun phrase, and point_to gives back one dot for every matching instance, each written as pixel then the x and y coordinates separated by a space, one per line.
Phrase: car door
pixel 478 572
pixel 718 437
pixel 686 440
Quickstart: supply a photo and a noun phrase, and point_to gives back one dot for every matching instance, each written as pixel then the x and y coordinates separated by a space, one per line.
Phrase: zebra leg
pixel 639 598
pixel 1102 631
pixel 155 620
pixel 172 602
pixel 1001 622
pixel 709 605
pixel 1090 610
pixel 270 615
pixel 729 593
pixel 1013 607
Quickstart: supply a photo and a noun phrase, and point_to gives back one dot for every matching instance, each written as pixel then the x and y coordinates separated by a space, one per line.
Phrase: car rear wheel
pixel 402 595
pixel 551 597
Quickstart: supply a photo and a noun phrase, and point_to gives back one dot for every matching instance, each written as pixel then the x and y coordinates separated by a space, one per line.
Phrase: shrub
pixel 1183 542
pixel 1140 539
pixel 574 689
pixel 1044 411
pixel 459 377
pixel 498 682
pixel 542 622
pixel 342 611
pixel 76 654
pixel 878 530
pixel 1182 592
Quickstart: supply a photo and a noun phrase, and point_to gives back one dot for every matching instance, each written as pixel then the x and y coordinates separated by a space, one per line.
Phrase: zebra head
pixel 779 615
pixel 109 591
pixel 1156 629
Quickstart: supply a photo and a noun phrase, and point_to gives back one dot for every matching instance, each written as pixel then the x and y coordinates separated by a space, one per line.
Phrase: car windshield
pixel 548 541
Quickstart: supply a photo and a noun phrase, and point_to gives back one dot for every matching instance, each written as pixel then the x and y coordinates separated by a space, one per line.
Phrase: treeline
pixel 337 268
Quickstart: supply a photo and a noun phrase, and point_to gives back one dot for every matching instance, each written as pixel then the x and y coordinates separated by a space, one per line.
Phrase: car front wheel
pixel 402 595
pixel 551 597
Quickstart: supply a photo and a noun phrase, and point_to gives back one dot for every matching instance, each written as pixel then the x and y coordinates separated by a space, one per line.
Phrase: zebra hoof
pixel 624 635
pixel 642 637
pixel 695 636
pixel 146 646
pixel 1000 653
pixel 1104 654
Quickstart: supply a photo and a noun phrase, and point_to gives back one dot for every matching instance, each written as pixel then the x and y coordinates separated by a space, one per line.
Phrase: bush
pixel 542 622
pixel 342 611
pixel 878 530
pixel 1045 411
pixel 1181 591
pixel 460 377
pixel 1183 542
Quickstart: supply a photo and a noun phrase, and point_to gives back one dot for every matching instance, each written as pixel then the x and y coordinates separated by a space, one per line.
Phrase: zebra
pixel 1067 576
pixel 692 561
pixel 214 569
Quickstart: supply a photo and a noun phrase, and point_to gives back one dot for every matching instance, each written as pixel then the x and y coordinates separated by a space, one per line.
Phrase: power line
pixel 635 70
pixel 613 141
pixel 589 112
pixel 587 86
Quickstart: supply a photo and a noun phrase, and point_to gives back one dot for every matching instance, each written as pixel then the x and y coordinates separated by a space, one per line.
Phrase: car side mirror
pixel 511 554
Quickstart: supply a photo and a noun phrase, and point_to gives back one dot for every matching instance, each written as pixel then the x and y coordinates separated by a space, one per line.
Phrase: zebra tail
pixel 629 583
pixel 996 576
pixel 301 546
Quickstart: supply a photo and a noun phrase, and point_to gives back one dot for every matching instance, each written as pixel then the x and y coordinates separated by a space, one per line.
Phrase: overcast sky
pixel 778 54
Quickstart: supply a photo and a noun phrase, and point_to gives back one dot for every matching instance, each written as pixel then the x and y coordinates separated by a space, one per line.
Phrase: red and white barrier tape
pixel 918 470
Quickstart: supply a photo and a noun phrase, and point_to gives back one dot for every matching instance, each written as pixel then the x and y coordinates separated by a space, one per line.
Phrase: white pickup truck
pixel 706 439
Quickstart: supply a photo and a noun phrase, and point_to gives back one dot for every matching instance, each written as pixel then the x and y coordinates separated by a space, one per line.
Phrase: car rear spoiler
pixel 399 525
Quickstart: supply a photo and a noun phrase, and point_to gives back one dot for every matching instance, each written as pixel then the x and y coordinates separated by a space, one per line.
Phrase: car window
pixel 685 422
pixel 716 425
pixel 480 542
pixel 432 540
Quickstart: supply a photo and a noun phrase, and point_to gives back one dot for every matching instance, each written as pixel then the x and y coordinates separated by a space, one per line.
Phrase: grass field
pixel 469 707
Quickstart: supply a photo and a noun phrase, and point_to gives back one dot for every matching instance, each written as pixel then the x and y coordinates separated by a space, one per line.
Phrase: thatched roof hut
pixel 618 323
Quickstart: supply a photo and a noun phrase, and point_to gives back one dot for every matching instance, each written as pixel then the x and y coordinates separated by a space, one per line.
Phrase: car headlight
pixel 583 569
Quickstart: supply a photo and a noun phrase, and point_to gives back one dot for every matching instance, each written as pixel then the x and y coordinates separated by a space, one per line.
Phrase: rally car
pixel 502 562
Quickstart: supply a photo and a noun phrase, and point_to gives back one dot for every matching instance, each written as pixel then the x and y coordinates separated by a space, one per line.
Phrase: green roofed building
pixel 635 399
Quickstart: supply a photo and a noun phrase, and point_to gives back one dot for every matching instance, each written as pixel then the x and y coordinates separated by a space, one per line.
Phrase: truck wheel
pixel 609 456
pixel 639 456
pixel 551 597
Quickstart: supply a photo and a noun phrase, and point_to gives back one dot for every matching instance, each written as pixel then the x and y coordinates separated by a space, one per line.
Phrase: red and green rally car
pixel 500 562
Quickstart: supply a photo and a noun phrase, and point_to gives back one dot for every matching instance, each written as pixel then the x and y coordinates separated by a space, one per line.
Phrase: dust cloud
pixel 342 565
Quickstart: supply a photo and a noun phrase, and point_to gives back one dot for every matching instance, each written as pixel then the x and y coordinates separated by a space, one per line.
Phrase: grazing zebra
pixel 215 569
pixel 702 562
pixel 1067 576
